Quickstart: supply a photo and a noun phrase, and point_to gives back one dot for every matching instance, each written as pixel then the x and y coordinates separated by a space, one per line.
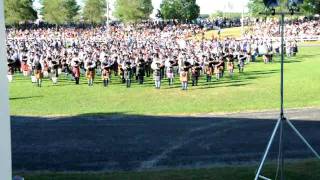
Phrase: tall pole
pixel 242 21
pixel 108 9
pixel 5 133
pixel 283 119
pixel 282 60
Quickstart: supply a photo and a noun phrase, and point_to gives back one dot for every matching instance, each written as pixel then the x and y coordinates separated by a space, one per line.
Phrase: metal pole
pixel 281 102
pixel 107 14
pixel 242 23
pixel 303 139
pixel 281 155
pixel 5 133
pixel 282 119
pixel 267 149
pixel 282 60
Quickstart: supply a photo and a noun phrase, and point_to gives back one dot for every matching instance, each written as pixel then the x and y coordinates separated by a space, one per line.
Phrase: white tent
pixel 5 135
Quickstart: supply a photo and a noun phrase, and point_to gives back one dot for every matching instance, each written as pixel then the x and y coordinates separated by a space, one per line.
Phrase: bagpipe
pixel 187 65
pixel 11 62
pixel 55 64
pixel 76 63
pixel 128 66
pixel 141 63
pixel 24 59
pixel 196 69
pixel 106 65
pixel 211 62
pixel 173 62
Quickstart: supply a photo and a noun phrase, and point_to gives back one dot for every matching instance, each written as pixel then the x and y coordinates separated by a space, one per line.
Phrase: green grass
pixel 234 32
pixel 256 89
pixel 310 43
pixel 309 170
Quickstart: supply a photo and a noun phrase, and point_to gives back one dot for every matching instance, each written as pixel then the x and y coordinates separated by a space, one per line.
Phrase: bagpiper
pixel 184 77
pixel 25 68
pixel 170 71
pixel 38 72
pixel 127 72
pixel 195 73
pixel 75 63
pixel 230 65
pixel 209 69
pixel 90 67
pixel 11 64
pixel 141 69
pixel 54 65
pixel 105 75
pixel 156 72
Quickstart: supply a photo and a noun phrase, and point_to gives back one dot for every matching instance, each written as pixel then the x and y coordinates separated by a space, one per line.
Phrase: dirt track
pixel 118 142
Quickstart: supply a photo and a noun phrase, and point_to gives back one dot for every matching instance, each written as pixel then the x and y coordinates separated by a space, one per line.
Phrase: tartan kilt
pixel 90 74
pixel 39 74
pixel 230 66
pixel 217 70
pixel 208 71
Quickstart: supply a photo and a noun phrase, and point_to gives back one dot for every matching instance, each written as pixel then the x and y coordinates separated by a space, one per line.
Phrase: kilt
pixel 217 70
pixel 24 67
pixel 39 74
pixel 45 74
pixel 183 76
pixel 169 75
pixel 76 72
pixel 157 78
pixel 208 71
pixel 90 74
pixel 230 66
pixel 105 75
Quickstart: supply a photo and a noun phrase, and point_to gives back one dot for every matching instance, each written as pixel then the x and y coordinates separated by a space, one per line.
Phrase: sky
pixel 206 6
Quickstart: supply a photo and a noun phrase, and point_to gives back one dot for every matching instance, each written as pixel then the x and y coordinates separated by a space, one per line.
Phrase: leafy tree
pixel 146 8
pixel 308 7
pixel 59 11
pixel 171 9
pixel 72 9
pixel 53 11
pixel 19 10
pixel 311 7
pixel 190 10
pixel 216 15
pixel 133 10
pixel 256 7
pixel 94 11
pixel 180 9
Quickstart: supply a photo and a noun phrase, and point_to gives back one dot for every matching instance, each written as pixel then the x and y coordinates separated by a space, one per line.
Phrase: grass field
pixel 256 89
pixel 228 32
pixel 294 171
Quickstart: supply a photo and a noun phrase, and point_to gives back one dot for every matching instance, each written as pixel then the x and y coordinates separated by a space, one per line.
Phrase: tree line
pixel 60 12
pixel 94 11
pixel 309 7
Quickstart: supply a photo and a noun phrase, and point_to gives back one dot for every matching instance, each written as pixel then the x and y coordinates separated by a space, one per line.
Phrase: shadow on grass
pixel 123 142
